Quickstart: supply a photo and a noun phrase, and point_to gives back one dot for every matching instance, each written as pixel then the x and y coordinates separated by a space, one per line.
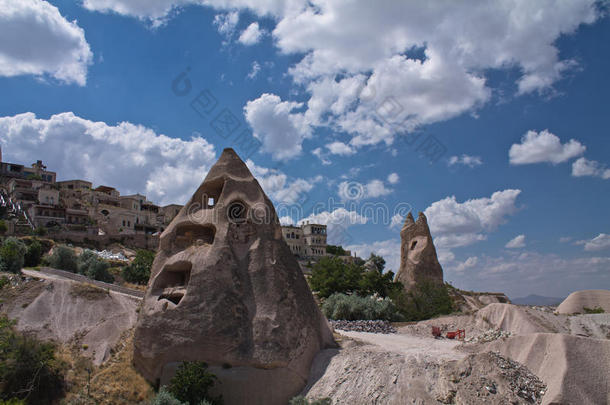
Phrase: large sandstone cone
pixel 418 261
pixel 225 289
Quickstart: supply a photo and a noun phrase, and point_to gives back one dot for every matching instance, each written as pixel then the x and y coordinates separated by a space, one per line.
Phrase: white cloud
pixel 286 220
pixel 37 40
pixel 388 249
pixel 226 23
pixel 396 221
pixel 517 242
pixel 583 167
pixel 467 264
pixel 374 69
pixel 351 190
pixel 130 157
pixel 256 67
pixel 280 130
pixel 340 148
pixel 448 216
pixel 565 239
pixel 458 240
pixel 317 152
pixel 540 147
pixel 251 35
pixel 393 178
pixel 466 160
pixel 600 242
pixel 279 187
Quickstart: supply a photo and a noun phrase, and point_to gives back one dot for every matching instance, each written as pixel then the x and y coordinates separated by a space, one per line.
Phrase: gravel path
pixel 55 274
pixel 421 348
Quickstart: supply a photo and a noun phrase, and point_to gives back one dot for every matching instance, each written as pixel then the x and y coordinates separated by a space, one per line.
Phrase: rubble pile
pixel 364 326
pixel 522 382
pixel 107 255
pixel 488 336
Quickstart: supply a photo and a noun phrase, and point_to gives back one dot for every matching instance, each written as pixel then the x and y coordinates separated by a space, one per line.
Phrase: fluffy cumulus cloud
pixel 517 242
pixel 38 40
pixel 466 264
pixel 279 187
pixel 454 224
pixel 351 190
pixel 277 126
pixel 583 167
pixel 251 35
pixel 130 157
pixel 393 178
pixel 600 242
pixel 543 146
pixel 340 148
pixel 465 160
pixel 226 23
pixel 375 69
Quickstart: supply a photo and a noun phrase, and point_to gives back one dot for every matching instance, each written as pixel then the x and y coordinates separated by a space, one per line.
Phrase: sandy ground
pixel 425 349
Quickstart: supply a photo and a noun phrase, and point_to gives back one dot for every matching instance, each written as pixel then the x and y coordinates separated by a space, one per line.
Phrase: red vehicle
pixel 459 334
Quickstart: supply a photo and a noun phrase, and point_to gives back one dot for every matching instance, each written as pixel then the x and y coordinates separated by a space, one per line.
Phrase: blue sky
pixel 492 119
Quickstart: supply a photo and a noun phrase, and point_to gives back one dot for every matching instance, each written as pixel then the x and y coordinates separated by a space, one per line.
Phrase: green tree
pixel 28 368
pixel 192 383
pixel 378 261
pixel 330 275
pixel 139 270
pixel 33 254
pixel 63 258
pixel 373 282
pixel 91 265
pixel 335 250
pixel 424 301
pixel 12 255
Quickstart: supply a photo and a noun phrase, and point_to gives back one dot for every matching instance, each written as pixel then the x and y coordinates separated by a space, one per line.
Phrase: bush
pixel 12 255
pixel 33 254
pixel 63 258
pixel 3 227
pixel 139 270
pixel 192 383
pixel 597 310
pixel 425 301
pixel 330 275
pixel 301 400
pixel 164 397
pixel 41 231
pixel 91 265
pixel 335 250
pixel 353 307
pixel 28 368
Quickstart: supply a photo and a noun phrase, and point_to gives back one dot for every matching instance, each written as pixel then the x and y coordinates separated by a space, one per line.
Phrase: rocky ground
pixel 364 326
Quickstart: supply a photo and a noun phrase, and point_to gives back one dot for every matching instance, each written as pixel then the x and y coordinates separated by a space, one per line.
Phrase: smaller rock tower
pixel 418 261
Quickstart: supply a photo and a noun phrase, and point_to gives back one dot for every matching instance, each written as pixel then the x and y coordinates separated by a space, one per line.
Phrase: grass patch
pixel 88 291
pixel 596 310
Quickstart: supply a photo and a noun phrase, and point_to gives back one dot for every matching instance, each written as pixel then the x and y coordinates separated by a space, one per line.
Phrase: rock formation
pixel 418 261
pixel 225 289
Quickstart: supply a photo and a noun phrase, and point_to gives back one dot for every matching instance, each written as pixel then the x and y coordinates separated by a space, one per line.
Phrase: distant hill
pixel 537 300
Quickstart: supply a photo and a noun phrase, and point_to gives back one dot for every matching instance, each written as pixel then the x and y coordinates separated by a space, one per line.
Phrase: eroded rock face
pixel 418 261
pixel 225 289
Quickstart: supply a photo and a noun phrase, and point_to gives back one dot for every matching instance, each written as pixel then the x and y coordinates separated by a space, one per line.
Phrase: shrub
pixel 301 400
pixel 192 382
pixel 91 265
pixel 63 258
pixel 596 310
pixel 164 397
pixel 33 254
pixel 425 301
pixel 28 368
pixel 139 270
pixel 12 255
pixel 3 227
pixel 353 307
pixel 41 231
pixel 335 250
pixel 330 275
pixel 4 281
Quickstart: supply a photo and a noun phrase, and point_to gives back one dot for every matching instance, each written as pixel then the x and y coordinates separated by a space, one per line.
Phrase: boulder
pixel 226 289
pixel 418 260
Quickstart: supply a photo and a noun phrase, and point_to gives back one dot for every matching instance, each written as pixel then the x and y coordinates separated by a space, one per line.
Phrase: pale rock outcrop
pixel 418 260
pixel 225 289
pixel 579 300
